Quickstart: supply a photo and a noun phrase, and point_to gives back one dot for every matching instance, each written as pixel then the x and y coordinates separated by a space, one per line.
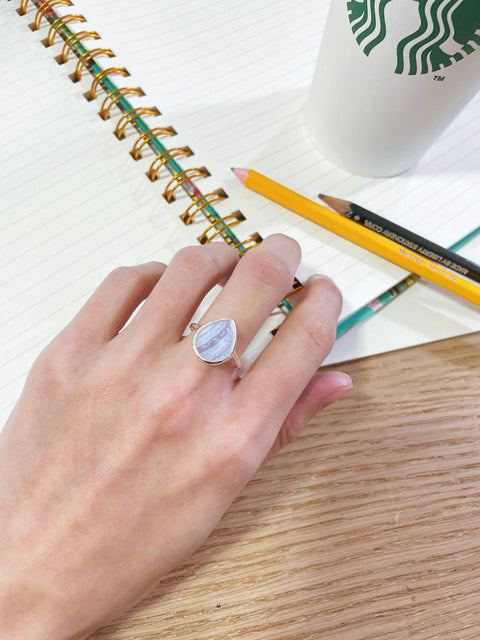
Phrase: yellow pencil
pixel 362 236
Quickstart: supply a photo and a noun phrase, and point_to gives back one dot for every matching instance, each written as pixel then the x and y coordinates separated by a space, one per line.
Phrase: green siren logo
pixel 442 32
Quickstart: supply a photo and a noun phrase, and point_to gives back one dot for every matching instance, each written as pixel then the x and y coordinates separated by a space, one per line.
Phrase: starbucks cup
pixel 390 76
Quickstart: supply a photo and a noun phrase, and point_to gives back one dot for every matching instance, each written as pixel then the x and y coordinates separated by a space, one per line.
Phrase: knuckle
pixel 51 368
pixel 238 456
pixel 241 445
pixel 271 270
pixel 162 405
pixel 168 403
pixel 318 336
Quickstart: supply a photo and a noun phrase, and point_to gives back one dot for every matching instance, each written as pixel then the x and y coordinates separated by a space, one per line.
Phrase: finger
pixel 260 281
pixel 280 374
pixel 191 274
pixel 322 390
pixel 111 305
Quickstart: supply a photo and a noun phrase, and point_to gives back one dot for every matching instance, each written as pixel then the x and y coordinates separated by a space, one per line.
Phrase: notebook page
pixel 83 187
pixel 234 77
pixel 70 208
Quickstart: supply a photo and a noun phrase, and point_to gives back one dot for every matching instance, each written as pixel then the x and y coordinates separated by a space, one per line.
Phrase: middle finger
pixel 262 278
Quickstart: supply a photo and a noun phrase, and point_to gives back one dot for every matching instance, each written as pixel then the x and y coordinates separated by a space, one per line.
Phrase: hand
pixel 125 449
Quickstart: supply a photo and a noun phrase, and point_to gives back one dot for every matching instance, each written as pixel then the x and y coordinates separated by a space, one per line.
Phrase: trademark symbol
pixel 439 78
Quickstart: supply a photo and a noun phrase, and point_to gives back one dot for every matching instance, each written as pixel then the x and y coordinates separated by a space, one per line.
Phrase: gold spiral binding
pixel 164 157
pixel 297 285
pixel 253 241
pixel 114 95
pixel 22 9
pixel 83 60
pixel 57 25
pixel 146 137
pixel 92 93
pixel 48 4
pixel 131 116
pixel 228 221
pixel 181 177
pixel 200 202
pixel 73 40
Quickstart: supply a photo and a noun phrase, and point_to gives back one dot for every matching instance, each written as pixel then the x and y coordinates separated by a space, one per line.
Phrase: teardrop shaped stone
pixel 214 342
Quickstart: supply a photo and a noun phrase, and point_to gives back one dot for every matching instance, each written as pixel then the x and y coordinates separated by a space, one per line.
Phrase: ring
pixel 214 342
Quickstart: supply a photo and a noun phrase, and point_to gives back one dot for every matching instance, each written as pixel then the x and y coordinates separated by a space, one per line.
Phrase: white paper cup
pixel 390 76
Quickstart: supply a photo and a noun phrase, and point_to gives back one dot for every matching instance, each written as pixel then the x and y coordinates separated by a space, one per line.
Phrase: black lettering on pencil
pixel 399 240
pixel 374 227
pixel 429 254
pixel 457 268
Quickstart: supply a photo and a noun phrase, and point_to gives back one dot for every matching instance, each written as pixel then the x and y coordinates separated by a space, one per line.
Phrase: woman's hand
pixel 125 449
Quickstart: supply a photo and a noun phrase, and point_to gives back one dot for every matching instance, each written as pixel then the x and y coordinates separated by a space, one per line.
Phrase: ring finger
pixel 262 278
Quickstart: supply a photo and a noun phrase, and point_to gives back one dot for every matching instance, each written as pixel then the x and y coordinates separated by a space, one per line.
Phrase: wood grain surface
pixel 367 527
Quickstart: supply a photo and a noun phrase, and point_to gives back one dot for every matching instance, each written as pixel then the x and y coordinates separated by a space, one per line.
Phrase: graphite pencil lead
pixel 337 204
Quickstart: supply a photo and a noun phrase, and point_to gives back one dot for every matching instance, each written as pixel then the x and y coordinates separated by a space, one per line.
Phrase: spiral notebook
pixel 119 124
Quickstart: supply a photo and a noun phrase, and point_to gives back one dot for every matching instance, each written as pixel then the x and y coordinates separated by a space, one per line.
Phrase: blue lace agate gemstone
pixel 214 342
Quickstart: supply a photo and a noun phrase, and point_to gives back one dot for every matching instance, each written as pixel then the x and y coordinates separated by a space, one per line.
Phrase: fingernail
pixel 320 276
pixel 345 384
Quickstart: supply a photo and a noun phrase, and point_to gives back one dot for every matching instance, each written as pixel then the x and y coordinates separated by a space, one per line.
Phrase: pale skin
pixel 124 449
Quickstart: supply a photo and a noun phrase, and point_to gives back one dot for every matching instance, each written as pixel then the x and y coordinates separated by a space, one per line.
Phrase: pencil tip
pixel 337 204
pixel 240 173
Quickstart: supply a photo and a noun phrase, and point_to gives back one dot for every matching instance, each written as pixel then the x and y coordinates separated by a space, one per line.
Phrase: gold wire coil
pixel 22 9
pixel 84 59
pixel 111 71
pixel 164 157
pixel 253 241
pixel 114 96
pixel 181 177
pixel 57 25
pixel 146 137
pixel 228 221
pixel 131 116
pixel 48 4
pixel 72 40
pixel 200 202
pixel 297 285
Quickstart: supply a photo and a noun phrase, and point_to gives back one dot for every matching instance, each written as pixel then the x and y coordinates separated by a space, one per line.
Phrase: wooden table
pixel 367 527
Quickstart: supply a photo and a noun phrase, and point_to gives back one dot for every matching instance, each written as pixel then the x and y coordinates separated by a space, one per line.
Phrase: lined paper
pixel 232 78
pixel 71 208
pixel 235 77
